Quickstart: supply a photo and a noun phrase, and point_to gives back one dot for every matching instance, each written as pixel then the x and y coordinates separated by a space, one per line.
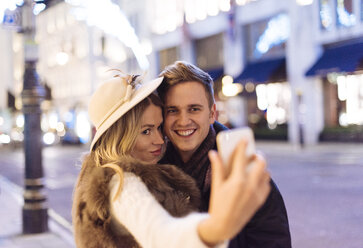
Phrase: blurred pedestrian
pixel 124 199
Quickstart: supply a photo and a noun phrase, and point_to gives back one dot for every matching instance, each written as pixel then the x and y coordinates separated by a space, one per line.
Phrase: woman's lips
pixel 156 152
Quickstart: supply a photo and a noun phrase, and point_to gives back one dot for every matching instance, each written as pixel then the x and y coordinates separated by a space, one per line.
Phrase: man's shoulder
pixel 219 127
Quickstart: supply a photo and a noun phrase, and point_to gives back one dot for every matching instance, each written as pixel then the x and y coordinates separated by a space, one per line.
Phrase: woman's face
pixel 149 146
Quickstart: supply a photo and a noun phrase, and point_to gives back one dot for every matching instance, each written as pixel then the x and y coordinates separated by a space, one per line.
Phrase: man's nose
pixel 183 119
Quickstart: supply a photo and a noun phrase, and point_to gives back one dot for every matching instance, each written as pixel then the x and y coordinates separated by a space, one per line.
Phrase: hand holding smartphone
pixel 227 141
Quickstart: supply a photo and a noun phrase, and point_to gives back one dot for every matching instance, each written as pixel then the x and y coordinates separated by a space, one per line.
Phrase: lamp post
pixel 35 216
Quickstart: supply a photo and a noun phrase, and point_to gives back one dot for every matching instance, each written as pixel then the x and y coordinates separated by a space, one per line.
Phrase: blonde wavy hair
pixel 119 140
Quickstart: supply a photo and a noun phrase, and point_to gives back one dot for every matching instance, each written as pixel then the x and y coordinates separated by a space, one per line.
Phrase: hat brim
pixel 140 94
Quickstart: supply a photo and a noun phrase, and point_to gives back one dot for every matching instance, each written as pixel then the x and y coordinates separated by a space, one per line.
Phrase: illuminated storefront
pixel 79 41
pixel 78 47
pixel 209 57
pixel 341 10
pixel 264 78
pixel 258 51
pixel 350 94
pixel 341 69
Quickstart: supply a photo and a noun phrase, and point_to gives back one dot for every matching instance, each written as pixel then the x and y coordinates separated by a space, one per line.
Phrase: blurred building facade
pixel 292 70
pixel 75 54
pixel 287 55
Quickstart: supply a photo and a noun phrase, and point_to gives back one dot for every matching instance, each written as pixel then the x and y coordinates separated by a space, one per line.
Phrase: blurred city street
pixel 322 187
pixel 323 191
pixel 291 70
pixel 61 166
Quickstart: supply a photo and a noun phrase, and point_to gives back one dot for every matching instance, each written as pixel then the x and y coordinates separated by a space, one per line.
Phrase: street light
pixel 35 217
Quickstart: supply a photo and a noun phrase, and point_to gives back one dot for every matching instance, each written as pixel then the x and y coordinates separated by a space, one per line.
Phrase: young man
pixel 189 123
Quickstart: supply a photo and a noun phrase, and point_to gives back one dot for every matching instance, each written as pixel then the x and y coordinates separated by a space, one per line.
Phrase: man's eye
pixel 170 111
pixel 147 131
pixel 195 109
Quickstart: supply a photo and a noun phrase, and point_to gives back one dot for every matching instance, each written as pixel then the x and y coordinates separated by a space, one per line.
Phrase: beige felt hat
pixel 114 98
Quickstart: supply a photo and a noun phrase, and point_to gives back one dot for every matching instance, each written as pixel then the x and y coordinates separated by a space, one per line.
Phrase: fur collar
pixel 93 224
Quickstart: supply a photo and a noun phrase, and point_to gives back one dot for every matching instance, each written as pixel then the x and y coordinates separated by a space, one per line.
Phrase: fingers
pixel 260 177
pixel 257 169
pixel 217 168
pixel 264 189
pixel 239 159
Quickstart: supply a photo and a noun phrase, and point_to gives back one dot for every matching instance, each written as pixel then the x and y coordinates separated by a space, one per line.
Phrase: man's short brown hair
pixel 181 72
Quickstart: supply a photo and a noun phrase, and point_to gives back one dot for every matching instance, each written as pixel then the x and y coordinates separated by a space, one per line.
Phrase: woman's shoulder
pixel 131 183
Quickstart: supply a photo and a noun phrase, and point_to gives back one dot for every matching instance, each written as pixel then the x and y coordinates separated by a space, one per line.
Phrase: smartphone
pixel 227 141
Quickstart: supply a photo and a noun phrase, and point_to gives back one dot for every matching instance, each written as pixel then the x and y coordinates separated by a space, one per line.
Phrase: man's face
pixel 187 117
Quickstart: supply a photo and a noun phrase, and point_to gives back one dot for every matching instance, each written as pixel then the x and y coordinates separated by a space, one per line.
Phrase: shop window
pixel 350 92
pixel 268 110
pixel 167 57
pixel 267 38
pixel 274 100
pixel 343 100
pixel 343 107
pixel 326 14
pixel 345 16
pixel 209 52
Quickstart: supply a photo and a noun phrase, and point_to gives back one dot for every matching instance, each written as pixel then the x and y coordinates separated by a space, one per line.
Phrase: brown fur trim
pixel 93 224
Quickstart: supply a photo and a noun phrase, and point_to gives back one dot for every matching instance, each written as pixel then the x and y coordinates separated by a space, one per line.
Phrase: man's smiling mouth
pixel 185 133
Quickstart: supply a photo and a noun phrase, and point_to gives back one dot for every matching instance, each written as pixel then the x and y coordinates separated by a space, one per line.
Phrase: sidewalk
pixel 281 147
pixel 11 235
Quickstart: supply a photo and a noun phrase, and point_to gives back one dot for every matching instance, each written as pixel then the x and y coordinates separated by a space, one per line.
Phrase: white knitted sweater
pixel 150 224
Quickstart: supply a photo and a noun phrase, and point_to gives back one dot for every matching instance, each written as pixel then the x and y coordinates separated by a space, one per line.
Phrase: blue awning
pixel 272 70
pixel 215 73
pixel 343 58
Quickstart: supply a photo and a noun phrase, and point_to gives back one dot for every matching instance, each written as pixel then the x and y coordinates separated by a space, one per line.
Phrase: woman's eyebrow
pixel 147 125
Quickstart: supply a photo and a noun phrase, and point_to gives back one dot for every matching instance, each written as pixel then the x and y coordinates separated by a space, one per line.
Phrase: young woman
pixel 123 198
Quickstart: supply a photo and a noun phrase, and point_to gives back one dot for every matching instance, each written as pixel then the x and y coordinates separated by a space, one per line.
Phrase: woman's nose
pixel 159 139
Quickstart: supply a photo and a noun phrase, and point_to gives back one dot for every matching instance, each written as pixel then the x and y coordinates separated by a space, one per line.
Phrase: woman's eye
pixel 147 131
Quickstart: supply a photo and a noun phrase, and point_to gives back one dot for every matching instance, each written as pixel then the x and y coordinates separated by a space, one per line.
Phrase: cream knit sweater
pixel 150 224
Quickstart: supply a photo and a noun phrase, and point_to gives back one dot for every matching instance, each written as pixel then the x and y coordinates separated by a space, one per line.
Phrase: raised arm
pixel 236 194
pixel 150 224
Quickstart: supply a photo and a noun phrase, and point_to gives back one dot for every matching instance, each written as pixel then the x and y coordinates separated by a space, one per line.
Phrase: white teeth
pixel 185 133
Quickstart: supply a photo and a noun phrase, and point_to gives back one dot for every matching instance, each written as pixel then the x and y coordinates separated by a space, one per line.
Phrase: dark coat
pixel 268 228
pixel 93 224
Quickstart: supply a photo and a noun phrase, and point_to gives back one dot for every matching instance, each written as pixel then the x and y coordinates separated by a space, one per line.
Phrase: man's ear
pixel 213 114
